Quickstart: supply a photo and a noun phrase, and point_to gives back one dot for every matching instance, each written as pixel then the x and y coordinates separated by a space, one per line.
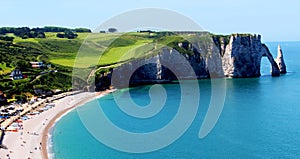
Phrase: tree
pixel 70 35
pixel 40 35
pixel 82 30
pixel 112 30
pixel 24 36
pixel 54 29
pixel 21 32
pixel 7 38
pixel 67 34
pixel 21 64
pixel 60 35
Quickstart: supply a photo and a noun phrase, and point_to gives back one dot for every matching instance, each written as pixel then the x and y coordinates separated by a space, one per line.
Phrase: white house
pixel 16 74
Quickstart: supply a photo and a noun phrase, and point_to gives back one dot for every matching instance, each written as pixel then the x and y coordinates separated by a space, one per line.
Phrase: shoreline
pixel 51 124
pixel 32 141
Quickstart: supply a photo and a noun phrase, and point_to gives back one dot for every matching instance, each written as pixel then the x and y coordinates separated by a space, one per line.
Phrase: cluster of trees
pixel 23 32
pixel 62 29
pixel 112 30
pixel 67 34
pixel 5 30
pixel 109 30
pixel 146 31
pixel 82 30
pixel 26 32
pixel 7 38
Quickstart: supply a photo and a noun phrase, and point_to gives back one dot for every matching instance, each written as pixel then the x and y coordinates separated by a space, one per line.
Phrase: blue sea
pixel 260 119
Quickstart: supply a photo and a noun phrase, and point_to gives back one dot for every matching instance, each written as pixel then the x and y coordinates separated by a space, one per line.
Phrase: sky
pixel 275 20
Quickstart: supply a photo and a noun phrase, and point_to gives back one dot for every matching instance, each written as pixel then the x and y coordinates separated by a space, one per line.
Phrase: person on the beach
pixel 3 99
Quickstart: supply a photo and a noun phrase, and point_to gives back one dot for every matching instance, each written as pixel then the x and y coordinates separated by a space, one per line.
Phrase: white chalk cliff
pixel 280 61
pixel 210 56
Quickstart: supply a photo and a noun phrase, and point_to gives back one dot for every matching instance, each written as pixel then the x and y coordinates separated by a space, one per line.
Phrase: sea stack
pixel 280 61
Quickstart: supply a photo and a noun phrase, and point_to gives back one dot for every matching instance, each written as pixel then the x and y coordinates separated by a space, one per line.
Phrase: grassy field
pixel 118 54
pixel 101 49
pixel 86 48
pixel 90 49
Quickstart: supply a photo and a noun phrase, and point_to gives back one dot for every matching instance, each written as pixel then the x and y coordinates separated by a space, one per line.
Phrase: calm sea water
pixel 260 119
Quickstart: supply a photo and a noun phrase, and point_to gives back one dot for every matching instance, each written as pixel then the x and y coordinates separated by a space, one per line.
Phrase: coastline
pixel 32 141
pixel 64 112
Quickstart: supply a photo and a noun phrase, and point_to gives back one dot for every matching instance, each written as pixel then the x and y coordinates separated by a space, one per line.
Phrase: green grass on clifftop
pixel 84 51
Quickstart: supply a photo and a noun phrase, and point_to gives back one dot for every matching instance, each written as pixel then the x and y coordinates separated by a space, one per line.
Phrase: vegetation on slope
pixel 20 46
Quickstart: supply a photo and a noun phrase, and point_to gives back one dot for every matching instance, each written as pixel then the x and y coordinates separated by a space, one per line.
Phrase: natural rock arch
pixel 275 69
pixel 243 54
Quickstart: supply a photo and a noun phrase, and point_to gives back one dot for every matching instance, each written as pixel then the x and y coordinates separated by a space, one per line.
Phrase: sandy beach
pixel 31 142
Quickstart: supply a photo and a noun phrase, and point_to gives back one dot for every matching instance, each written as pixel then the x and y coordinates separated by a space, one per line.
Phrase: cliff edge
pixel 209 56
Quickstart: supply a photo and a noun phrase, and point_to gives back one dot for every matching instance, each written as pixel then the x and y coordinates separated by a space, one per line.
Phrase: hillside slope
pixel 93 56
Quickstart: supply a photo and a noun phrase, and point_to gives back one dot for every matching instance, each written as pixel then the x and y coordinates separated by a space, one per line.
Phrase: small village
pixel 16 74
pixel 14 112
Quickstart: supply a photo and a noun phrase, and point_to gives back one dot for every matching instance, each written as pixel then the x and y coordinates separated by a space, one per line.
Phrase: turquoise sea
pixel 260 119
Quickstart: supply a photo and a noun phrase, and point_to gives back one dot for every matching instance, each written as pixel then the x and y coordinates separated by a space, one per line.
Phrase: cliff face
pixel 164 67
pixel 237 56
pixel 243 55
